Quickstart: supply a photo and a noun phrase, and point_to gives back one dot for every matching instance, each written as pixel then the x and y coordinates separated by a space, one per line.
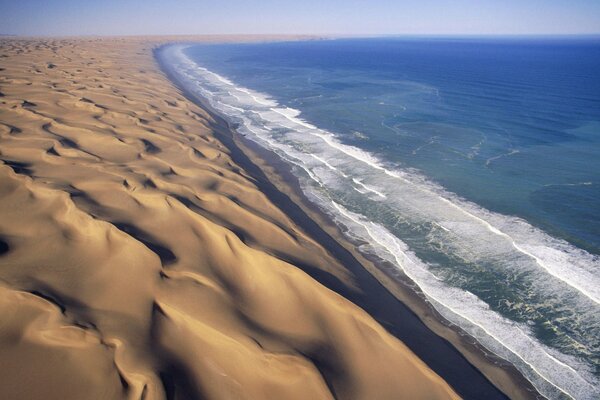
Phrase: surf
pixel 420 227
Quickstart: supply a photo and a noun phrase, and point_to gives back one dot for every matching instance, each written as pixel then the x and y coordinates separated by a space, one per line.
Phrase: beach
pixel 147 251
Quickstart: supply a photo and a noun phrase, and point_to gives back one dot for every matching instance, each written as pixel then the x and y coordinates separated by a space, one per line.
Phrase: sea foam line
pixel 361 156
pixel 429 294
pixel 357 154
pixel 364 157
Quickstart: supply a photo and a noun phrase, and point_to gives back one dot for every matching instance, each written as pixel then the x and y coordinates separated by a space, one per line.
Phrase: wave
pixel 453 249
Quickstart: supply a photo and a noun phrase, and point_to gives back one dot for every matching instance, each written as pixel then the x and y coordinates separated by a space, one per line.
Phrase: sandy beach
pixel 148 253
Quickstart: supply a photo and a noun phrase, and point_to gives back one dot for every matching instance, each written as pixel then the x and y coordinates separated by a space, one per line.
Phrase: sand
pixel 139 261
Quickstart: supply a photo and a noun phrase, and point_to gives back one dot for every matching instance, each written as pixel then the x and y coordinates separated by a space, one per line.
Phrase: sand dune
pixel 138 261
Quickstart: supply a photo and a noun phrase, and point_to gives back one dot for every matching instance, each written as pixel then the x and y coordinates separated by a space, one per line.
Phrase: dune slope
pixel 138 261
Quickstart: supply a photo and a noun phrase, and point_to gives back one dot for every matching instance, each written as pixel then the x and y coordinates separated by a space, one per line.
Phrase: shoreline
pixel 389 296
pixel 140 261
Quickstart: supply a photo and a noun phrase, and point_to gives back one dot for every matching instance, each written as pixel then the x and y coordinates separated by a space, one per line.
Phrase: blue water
pixel 472 165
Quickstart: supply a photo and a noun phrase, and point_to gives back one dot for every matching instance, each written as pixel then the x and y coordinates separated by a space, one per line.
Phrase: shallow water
pixel 471 165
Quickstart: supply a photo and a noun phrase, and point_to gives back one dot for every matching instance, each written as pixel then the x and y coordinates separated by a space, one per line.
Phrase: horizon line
pixel 329 35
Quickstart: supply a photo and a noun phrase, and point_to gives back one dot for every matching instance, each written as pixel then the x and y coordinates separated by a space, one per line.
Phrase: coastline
pixel 384 292
pixel 148 251
pixel 138 260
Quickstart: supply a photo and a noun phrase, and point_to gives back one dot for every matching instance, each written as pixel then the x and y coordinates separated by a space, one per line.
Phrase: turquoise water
pixel 472 165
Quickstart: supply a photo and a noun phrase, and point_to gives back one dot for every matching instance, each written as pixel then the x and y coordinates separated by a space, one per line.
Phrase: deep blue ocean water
pixel 472 165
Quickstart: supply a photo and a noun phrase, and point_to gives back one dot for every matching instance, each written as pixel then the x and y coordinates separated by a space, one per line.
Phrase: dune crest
pixel 138 261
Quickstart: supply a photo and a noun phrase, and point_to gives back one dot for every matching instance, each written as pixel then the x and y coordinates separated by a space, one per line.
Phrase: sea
pixel 470 164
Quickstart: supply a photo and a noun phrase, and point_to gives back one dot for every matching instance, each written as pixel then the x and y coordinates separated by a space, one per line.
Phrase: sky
pixel 352 17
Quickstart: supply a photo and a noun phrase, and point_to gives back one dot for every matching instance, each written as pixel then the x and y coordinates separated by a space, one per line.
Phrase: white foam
pixel 368 188
pixel 260 99
pixel 492 159
pixel 460 306
pixel 328 165
pixel 569 275
pixel 292 115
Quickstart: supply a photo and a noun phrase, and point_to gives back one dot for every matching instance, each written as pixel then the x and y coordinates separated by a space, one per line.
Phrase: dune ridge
pixel 138 261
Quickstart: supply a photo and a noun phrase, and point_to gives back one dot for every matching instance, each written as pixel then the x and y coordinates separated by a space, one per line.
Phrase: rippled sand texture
pixel 139 262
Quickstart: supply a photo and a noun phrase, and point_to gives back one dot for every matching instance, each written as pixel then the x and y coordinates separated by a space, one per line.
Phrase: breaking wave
pixel 530 298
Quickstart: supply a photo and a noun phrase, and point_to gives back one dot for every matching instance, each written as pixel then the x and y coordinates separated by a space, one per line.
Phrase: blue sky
pixel 125 17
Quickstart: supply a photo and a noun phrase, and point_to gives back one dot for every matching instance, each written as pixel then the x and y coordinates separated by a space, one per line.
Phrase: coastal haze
pixel 300 200
pixel 318 17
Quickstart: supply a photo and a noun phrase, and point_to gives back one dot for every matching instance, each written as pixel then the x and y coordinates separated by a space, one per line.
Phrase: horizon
pixel 332 36
pixel 330 18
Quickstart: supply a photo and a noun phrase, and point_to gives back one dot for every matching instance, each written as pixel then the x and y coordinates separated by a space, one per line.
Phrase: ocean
pixel 472 165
